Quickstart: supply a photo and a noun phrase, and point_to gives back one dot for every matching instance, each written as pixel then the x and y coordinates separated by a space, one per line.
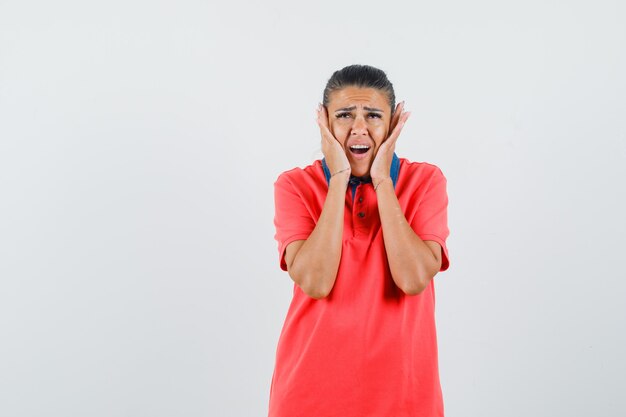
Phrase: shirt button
pixel 360 199
pixel 361 214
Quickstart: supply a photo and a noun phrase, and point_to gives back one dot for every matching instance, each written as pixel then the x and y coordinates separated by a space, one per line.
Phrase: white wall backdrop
pixel 139 143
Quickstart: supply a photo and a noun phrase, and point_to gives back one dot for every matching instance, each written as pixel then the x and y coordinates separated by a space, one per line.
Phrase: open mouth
pixel 359 149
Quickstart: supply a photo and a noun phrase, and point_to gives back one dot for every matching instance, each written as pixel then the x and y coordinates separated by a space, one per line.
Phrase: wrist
pixel 341 171
pixel 376 182
pixel 342 178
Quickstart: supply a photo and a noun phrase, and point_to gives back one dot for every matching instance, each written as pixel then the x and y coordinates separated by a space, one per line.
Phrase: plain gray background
pixel 139 144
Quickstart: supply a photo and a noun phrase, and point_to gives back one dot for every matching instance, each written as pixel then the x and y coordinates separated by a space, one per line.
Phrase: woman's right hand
pixel 313 262
pixel 334 154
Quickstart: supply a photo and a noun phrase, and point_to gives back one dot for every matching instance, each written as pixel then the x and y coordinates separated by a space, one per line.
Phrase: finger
pixel 383 147
pixel 393 137
pixel 327 137
pixel 325 132
pixel 401 121
pixel 324 115
pixel 320 116
pixel 322 122
pixel 388 146
pixel 319 119
pixel 396 115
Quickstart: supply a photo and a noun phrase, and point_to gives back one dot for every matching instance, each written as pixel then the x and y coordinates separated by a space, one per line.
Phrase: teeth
pixel 360 147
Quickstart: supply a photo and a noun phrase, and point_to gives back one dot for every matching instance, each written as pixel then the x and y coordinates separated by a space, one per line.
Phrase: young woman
pixel 361 233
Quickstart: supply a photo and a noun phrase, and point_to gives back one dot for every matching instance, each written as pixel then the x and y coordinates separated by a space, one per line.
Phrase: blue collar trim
pixel 393 172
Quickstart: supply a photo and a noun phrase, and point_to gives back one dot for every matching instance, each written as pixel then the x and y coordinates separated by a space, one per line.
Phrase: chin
pixel 359 171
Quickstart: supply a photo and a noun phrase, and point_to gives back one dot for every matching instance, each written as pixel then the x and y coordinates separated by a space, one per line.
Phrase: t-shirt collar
pixel 393 171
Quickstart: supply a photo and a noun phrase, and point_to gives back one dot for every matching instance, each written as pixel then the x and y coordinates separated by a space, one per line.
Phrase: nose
pixel 359 127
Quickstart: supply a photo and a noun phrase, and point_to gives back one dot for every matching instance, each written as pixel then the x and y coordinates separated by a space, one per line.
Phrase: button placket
pixel 360 208
pixel 361 213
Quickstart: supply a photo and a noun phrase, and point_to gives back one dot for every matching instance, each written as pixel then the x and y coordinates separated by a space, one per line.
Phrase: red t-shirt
pixel 367 349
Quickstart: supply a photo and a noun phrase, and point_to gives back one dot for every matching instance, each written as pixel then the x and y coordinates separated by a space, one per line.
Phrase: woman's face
pixel 359 118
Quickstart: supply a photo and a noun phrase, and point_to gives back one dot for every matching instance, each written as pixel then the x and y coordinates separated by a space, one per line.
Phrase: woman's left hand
pixel 382 161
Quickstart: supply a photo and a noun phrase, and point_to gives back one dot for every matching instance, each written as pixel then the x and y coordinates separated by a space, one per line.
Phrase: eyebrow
pixel 354 107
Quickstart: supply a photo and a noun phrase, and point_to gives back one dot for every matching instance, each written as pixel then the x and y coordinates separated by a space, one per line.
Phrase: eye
pixel 342 115
pixel 375 115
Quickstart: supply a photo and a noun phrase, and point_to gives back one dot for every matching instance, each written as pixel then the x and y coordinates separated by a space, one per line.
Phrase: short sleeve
pixel 430 222
pixel 292 219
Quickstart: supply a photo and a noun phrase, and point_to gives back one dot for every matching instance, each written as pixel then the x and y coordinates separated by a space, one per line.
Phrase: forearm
pixel 315 265
pixel 411 262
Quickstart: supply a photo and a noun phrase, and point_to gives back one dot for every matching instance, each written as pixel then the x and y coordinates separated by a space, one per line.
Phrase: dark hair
pixel 363 76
